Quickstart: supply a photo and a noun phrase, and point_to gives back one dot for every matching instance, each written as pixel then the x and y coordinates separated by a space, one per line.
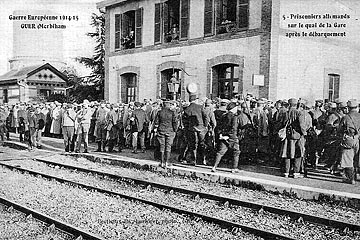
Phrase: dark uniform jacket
pixel 166 121
pixel 195 117
pixel 228 126
pixel 350 123
pixel 140 119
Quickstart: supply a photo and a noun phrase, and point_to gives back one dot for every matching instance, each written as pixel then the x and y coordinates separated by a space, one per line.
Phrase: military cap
pixel 231 105
pixel 225 101
pixel 137 104
pixel 192 97
pixel 342 105
pixel 332 105
pixel 319 100
pixel 292 101
pixel 352 103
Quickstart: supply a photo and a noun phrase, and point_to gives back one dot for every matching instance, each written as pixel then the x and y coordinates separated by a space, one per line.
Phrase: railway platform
pixel 319 184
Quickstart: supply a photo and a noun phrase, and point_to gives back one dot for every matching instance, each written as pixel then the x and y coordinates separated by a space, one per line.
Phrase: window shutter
pixel 138 26
pixel 184 18
pixel 123 89
pixel 218 13
pixel 208 17
pixel 243 14
pixel 336 86
pixel 117 31
pixel 157 29
pixel 165 17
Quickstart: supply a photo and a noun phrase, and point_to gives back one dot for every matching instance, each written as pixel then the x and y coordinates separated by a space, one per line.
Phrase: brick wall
pixel 265 46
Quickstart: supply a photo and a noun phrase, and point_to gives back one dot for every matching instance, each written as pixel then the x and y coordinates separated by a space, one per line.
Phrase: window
pixel 45 92
pixel 226 81
pixel 223 16
pixel 128 29
pixel 171 21
pixel 5 96
pixel 334 87
pixel 128 87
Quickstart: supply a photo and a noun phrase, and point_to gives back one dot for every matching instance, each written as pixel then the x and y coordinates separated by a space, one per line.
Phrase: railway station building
pixel 27 83
pixel 229 47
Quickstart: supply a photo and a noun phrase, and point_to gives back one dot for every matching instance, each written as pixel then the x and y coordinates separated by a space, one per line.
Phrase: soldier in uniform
pixel 196 120
pixel 307 123
pixel 292 148
pixel 3 117
pixel 138 120
pixel 166 127
pixel 316 146
pixel 228 137
pixel 68 126
pixel 83 118
pixel 210 135
pixel 349 132
pixel 114 120
pixel 100 126
pixel 331 143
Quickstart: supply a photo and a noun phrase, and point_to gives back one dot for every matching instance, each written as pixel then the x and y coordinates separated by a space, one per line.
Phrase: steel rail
pixel 221 222
pixel 233 201
pixel 68 228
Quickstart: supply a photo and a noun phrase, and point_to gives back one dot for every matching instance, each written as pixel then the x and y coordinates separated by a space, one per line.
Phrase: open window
pixel 171 21
pixel 225 81
pixel 224 16
pixel 128 29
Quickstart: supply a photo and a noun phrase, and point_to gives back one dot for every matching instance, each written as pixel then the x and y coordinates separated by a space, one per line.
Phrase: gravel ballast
pixel 108 216
pixel 321 209
pixel 15 225
pixel 261 219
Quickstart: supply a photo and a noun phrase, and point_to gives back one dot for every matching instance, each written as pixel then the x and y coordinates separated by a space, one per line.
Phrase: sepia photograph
pixel 179 119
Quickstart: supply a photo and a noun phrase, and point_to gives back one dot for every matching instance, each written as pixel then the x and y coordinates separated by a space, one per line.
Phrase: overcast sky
pixel 76 43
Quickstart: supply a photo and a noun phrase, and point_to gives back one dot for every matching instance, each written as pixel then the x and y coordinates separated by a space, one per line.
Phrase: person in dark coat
pixel 137 120
pixel 195 119
pixel 349 129
pixel 113 118
pixel 292 147
pixel 166 127
pixel 228 137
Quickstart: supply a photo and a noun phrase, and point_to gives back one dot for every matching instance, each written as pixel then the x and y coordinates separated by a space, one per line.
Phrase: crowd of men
pixel 294 134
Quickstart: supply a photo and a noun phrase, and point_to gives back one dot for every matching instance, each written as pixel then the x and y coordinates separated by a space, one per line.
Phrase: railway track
pixel 221 222
pixel 232 201
pixel 68 228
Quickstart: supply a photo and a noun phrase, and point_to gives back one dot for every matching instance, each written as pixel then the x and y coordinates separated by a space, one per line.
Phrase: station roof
pixel 107 3
pixel 19 74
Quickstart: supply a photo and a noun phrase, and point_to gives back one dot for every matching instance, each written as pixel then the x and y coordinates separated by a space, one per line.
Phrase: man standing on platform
pixel 3 117
pixel 292 147
pixel 83 118
pixel 113 120
pixel 349 132
pixel 100 126
pixel 166 126
pixel 68 126
pixel 228 137
pixel 196 120
pixel 137 120
pixel 41 122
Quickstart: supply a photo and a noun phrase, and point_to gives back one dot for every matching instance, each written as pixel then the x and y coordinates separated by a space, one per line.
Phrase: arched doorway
pixel 225 81
pixel 170 84
pixel 128 87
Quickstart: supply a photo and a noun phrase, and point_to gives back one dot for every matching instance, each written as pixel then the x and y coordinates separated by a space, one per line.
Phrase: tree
pixel 95 82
